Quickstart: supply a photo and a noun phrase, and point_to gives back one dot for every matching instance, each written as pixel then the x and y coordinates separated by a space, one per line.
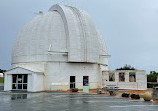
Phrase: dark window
pixel 14 78
pixel 85 81
pixel 132 77
pixel 14 86
pixel 25 78
pixel 72 82
pixel 19 86
pixel 24 86
pixel 111 76
pixel 19 81
pixel 19 78
pixel 121 76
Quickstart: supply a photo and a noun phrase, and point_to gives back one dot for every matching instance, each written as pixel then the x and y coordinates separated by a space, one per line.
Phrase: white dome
pixel 63 33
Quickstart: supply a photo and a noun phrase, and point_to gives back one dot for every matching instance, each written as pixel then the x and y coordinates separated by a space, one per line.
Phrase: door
pixel 85 80
pixel 19 81
pixel 86 84
pixel 72 82
pixel 105 78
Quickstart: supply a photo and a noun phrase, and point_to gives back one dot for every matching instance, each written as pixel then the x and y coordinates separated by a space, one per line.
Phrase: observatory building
pixel 62 49
pixel 57 50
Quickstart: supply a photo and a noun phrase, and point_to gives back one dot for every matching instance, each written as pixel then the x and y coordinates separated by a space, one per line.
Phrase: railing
pixel 110 87
pixel 72 84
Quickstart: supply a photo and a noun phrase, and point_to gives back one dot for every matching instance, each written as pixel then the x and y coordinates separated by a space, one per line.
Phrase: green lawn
pixel 1 80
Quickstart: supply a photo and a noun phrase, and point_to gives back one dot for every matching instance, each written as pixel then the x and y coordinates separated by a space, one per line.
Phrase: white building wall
pixel 34 83
pixel 33 66
pixel 141 79
pixel 61 72
pixel 8 83
pixel 29 83
pixel 38 82
pixel 140 84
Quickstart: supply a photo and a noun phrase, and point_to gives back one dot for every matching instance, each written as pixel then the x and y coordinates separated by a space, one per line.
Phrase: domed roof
pixel 64 33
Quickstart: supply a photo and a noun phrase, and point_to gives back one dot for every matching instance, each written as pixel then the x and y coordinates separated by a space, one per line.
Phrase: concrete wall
pixel 59 73
pixel 140 84
pixel 56 75
pixel 8 82
pixel 35 80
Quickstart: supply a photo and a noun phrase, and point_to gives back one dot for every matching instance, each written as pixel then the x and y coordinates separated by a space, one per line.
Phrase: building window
pixel 132 77
pixel 19 82
pixel 121 76
pixel 111 76
pixel 72 82
pixel 85 80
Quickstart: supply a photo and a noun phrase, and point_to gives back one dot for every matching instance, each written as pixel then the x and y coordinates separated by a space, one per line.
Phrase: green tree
pixel 2 71
pixel 152 77
pixel 126 67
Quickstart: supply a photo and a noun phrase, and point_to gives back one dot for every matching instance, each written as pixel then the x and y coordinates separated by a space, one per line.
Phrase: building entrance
pixel 72 82
pixel 19 81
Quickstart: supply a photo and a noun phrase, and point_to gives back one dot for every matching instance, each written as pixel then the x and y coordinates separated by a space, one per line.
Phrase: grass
pixel 1 80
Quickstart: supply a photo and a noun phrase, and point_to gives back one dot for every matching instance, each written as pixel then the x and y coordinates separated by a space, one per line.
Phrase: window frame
pixel 17 82
pixel 135 76
pixel 123 78
pixel 114 76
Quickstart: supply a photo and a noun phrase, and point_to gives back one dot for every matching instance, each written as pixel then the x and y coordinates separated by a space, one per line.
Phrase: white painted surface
pixel 85 89
pixel 60 43
pixel 140 84
pixel 61 72
pixel 62 29
pixel 30 83
pixel 1 75
pixel 55 45
pixel 7 83
pixel 35 79
pixel 38 82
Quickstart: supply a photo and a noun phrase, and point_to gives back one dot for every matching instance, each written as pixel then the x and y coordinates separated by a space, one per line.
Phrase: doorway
pixel 72 82
pixel 19 81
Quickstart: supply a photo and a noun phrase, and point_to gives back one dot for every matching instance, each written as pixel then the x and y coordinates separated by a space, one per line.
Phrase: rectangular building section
pixel 125 79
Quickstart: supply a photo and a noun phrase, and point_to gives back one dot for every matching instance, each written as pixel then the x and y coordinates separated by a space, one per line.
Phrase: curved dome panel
pixel 45 32
pixel 63 30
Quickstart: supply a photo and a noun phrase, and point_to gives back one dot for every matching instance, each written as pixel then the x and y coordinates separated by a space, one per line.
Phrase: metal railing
pixel 72 84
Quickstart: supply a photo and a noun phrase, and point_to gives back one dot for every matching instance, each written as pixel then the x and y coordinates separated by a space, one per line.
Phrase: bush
pixel 152 77
pixel 126 67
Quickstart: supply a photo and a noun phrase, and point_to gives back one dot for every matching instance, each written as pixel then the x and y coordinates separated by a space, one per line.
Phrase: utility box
pixel 155 93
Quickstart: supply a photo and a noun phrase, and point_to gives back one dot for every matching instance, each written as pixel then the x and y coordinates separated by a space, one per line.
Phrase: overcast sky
pixel 130 28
